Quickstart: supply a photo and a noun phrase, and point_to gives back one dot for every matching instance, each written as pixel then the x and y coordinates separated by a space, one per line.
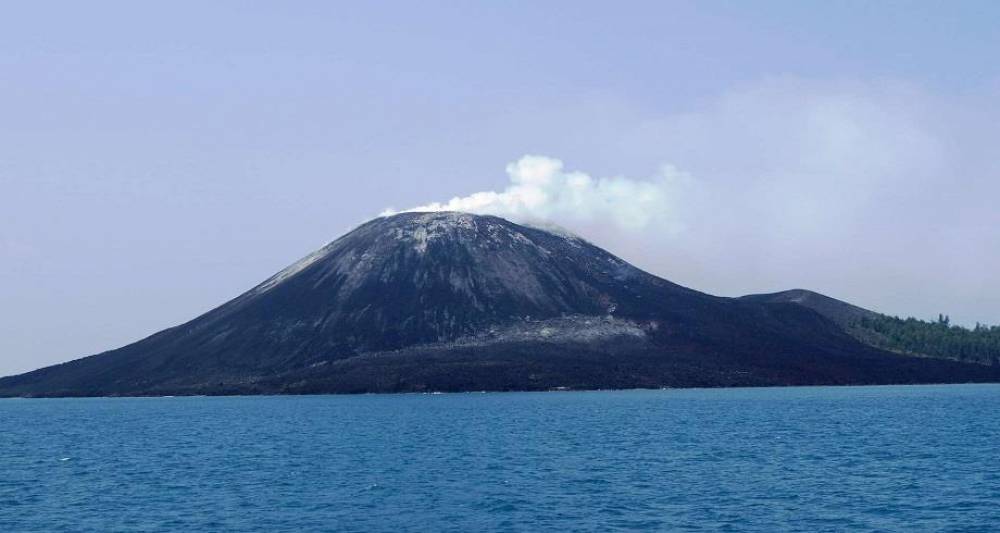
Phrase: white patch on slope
pixel 429 227
pixel 290 270
pixel 572 328
pixel 419 236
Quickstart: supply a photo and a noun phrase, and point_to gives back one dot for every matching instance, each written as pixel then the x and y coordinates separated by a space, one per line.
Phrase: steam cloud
pixel 541 190
pixel 879 193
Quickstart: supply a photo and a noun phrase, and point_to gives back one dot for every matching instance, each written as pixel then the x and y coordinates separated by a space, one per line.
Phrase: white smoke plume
pixel 541 190
pixel 879 193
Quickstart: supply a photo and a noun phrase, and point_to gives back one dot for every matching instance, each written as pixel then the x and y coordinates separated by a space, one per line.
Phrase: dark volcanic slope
pixel 451 301
pixel 843 313
pixel 911 336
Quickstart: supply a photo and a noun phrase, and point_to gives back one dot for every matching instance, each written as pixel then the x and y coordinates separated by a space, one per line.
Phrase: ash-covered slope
pixel 843 313
pixel 910 336
pixel 452 301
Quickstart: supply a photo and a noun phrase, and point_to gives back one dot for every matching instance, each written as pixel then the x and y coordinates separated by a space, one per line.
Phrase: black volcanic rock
pixel 910 336
pixel 843 313
pixel 452 301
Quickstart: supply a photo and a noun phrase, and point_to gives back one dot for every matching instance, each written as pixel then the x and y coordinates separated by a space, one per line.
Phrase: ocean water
pixel 921 458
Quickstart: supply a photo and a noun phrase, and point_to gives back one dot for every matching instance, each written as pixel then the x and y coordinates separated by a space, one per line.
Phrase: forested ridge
pixel 980 344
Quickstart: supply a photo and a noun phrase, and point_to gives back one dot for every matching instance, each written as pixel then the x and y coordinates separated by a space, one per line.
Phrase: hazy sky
pixel 156 161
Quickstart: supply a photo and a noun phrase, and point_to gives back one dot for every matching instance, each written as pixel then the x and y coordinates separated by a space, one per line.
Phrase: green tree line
pixel 980 344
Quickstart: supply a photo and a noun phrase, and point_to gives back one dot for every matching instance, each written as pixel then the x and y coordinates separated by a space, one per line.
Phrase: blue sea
pixel 905 458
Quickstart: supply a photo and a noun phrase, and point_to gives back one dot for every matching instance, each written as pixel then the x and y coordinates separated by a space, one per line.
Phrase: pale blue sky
pixel 156 160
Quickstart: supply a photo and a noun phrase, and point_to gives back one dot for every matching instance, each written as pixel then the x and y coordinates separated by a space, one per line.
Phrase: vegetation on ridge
pixel 934 339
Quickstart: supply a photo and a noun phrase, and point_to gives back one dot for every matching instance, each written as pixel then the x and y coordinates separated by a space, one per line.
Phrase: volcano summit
pixel 455 302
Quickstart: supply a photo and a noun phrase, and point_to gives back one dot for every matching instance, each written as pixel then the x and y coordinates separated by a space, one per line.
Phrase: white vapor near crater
pixel 541 190
pixel 882 193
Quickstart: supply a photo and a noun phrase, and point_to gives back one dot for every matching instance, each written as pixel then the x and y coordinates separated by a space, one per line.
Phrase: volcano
pixel 458 302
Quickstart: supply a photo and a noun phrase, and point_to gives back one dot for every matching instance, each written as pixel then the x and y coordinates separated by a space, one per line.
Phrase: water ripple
pixel 802 459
